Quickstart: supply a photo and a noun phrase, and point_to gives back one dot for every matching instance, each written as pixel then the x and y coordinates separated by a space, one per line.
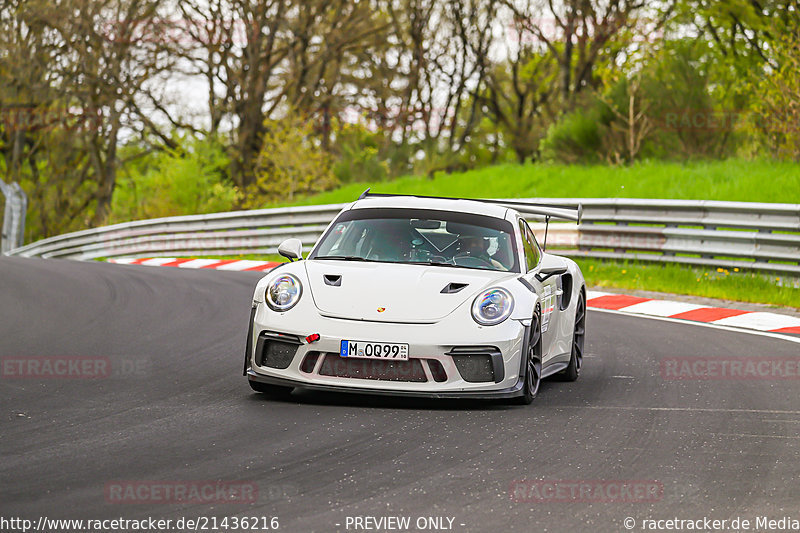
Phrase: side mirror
pixel 291 249
pixel 547 272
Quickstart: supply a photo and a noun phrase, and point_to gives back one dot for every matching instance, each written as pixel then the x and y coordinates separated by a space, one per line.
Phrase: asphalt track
pixel 177 408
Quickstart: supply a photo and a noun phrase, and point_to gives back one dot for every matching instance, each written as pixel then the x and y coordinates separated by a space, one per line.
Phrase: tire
pixel 533 361
pixel 573 371
pixel 272 390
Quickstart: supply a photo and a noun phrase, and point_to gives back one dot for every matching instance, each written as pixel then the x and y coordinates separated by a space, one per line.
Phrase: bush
pixel 190 180
pixel 777 112
pixel 691 101
pixel 358 151
pixel 291 163
pixel 576 138
pixel 670 105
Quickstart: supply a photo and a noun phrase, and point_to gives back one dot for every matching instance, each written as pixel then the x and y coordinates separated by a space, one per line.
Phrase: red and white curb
pixel 721 316
pixel 240 265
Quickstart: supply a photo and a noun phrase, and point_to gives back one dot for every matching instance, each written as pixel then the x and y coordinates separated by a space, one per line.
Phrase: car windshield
pixel 416 236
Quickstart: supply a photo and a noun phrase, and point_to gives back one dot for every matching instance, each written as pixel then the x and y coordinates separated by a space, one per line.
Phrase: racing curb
pixel 723 316
pixel 240 265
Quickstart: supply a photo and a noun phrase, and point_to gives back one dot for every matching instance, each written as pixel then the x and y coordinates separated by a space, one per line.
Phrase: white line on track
pixel 757 436
pixel 688 409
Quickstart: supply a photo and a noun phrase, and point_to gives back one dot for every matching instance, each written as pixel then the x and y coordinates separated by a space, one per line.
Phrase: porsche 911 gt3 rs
pixel 420 296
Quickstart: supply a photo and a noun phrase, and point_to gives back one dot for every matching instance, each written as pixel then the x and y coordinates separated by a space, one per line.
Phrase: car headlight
pixel 283 292
pixel 493 306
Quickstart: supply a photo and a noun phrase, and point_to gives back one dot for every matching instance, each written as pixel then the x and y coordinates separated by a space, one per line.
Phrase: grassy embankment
pixel 738 180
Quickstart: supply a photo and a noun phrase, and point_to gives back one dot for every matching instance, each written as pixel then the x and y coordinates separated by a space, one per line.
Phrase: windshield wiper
pixel 451 265
pixel 430 262
pixel 343 257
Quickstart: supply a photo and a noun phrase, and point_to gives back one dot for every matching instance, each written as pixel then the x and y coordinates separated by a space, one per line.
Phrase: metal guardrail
pixel 742 235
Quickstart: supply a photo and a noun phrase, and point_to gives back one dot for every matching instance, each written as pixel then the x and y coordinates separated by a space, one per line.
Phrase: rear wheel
pixel 272 390
pixel 573 371
pixel 533 361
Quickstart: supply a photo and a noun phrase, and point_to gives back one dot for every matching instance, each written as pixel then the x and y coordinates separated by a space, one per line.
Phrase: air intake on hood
pixel 451 288
pixel 335 280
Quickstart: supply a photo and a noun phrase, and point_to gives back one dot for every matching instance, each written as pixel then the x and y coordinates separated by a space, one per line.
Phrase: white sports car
pixel 420 296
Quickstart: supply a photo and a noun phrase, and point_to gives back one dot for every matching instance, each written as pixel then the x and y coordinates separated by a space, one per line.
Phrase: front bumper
pixel 429 344
pixel 510 392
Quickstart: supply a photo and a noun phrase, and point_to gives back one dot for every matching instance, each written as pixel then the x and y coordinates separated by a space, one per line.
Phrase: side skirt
pixel 554 368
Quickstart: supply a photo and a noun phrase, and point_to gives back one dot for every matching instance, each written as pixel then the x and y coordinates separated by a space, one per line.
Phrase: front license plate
pixel 374 350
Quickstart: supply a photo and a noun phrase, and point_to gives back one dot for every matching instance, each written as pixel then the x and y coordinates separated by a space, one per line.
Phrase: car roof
pixel 439 204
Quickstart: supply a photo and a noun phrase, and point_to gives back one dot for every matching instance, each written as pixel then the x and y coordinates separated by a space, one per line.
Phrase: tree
pixel 104 68
pixel 27 99
pixel 260 58
pixel 75 68
pixel 742 30
pixel 289 163
pixel 581 35
pixel 778 111
pixel 520 93
pixel 632 123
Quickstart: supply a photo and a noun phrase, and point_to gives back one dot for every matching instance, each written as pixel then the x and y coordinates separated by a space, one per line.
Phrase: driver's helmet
pixel 474 245
pixel 390 241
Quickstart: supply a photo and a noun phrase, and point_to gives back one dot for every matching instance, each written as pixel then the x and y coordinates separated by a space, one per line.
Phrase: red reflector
pixel 314 337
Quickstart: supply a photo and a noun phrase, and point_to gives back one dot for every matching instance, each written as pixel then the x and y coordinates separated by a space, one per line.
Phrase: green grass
pixel 680 279
pixel 732 179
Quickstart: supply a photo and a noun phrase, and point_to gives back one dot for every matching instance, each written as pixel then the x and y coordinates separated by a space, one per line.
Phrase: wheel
pixel 272 390
pixel 572 371
pixel 533 364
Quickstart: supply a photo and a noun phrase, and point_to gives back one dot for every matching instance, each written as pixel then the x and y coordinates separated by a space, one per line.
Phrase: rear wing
pixel 548 211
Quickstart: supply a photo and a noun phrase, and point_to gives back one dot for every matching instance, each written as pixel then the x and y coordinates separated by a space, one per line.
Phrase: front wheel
pixel 272 390
pixel 533 361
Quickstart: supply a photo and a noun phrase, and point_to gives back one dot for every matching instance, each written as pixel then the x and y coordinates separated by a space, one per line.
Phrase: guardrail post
pixel 16 206
pixel 4 242
pixel 21 213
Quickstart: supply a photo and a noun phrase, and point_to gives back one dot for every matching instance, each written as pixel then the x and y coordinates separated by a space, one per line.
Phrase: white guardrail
pixel 743 235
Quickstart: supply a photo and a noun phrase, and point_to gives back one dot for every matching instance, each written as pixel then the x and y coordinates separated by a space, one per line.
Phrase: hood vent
pixel 452 288
pixel 334 280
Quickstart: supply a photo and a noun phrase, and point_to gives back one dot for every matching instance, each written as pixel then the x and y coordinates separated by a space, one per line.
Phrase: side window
pixel 529 246
pixel 535 245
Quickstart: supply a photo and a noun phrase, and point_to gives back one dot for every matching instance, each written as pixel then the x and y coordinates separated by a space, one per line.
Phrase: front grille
pixel 276 350
pixel 344 367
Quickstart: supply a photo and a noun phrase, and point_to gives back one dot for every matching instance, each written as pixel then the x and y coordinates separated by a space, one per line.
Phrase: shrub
pixel 359 155
pixel 576 138
pixel 190 180
pixel 290 163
